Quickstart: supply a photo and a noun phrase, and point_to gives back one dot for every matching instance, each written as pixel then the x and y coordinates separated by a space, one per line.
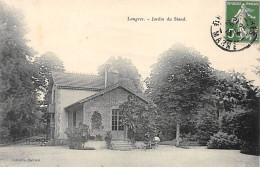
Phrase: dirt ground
pixel 163 156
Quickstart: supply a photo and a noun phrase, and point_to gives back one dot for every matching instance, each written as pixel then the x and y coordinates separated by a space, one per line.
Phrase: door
pixel 118 130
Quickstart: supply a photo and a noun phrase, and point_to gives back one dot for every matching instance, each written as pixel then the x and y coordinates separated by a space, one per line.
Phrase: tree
pixel 207 126
pixel 242 118
pixel 140 118
pixel 257 68
pixel 125 68
pixel 46 64
pixel 233 89
pixel 18 78
pixel 177 83
pixel 235 104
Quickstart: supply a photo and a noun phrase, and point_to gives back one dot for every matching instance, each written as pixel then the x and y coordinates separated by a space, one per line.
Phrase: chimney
pixel 111 78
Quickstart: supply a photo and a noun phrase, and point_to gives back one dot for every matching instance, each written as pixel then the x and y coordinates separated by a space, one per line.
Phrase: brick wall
pixel 104 105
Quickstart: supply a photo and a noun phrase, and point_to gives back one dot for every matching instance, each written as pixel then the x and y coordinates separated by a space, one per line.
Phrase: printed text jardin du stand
pixel 156 19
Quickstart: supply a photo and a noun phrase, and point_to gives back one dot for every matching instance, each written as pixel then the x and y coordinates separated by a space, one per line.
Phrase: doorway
pixel 118 129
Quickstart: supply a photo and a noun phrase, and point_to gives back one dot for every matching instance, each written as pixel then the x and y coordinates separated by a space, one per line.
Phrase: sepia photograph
pixel 117 83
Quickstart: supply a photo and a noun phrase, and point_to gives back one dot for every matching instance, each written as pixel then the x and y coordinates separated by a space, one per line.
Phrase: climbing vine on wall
pixel 96 120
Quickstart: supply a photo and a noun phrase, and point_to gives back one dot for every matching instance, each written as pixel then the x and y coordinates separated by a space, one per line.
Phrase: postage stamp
pixel 241 26
pixel 242 20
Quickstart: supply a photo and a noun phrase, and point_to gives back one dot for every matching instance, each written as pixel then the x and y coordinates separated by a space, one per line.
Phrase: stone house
pixel 91 99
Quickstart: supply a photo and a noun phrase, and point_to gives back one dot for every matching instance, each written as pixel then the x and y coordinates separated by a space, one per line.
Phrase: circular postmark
pixel 239 31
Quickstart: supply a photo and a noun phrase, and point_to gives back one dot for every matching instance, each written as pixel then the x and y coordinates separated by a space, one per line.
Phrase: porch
pixel 99 122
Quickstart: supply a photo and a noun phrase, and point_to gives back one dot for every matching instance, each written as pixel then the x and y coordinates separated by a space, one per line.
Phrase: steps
pixel 122 145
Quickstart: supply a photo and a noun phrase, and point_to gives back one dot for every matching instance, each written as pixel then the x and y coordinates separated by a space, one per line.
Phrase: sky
pixel 85 34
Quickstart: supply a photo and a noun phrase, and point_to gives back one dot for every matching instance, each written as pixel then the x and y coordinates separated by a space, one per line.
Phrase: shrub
pixel 206 128
pixel 140 118
pixel 88 148
pixel 246 129
pixel 187 140
pixel 250 148
pixel 91 137
pixel 222 140
pixel 184 143
pixel 245 126
pixel 108 139
pixel 167 128
pixel 77 136
pixel 99 137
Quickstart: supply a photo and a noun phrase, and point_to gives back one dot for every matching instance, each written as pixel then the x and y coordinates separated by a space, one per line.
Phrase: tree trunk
pixel 48 128
pixel 220 118
pixel 178 134
pixel 221 111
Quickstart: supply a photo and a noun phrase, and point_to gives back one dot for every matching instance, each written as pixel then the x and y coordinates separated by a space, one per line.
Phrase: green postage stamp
pixel 242 21
pixel 239 29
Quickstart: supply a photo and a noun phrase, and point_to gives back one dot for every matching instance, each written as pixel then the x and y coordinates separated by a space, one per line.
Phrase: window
pixel 117 120
pixel 74 118
pixel 114 119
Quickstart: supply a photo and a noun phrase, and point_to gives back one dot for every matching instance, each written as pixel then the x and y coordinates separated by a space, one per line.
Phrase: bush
pixel 206 128
pixel 91 137
pixel 140 118
pixel 88 148
pixel 77 135
pixel 246 129
pixel 167 128
pixel 222 140
pixel 108 139
pixel 250 148
pixel 99 137
pixel 245 126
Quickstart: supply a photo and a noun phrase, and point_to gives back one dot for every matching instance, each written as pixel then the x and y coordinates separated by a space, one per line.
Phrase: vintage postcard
pixel 162 83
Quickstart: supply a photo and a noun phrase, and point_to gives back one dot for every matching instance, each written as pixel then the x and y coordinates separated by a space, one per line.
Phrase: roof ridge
pixel 76 73
pixel 78 80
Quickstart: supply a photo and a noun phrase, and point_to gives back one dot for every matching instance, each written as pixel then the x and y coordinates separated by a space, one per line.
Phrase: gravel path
pixel 163 156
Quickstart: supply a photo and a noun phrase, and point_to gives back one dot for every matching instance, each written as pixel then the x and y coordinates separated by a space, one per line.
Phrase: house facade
pixel 90 99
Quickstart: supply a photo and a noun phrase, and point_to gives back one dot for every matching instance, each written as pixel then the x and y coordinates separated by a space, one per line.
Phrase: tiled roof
pixel 140 95
pixel 78 80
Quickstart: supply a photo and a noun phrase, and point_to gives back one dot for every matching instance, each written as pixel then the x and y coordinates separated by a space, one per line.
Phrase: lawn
pixel 163 156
